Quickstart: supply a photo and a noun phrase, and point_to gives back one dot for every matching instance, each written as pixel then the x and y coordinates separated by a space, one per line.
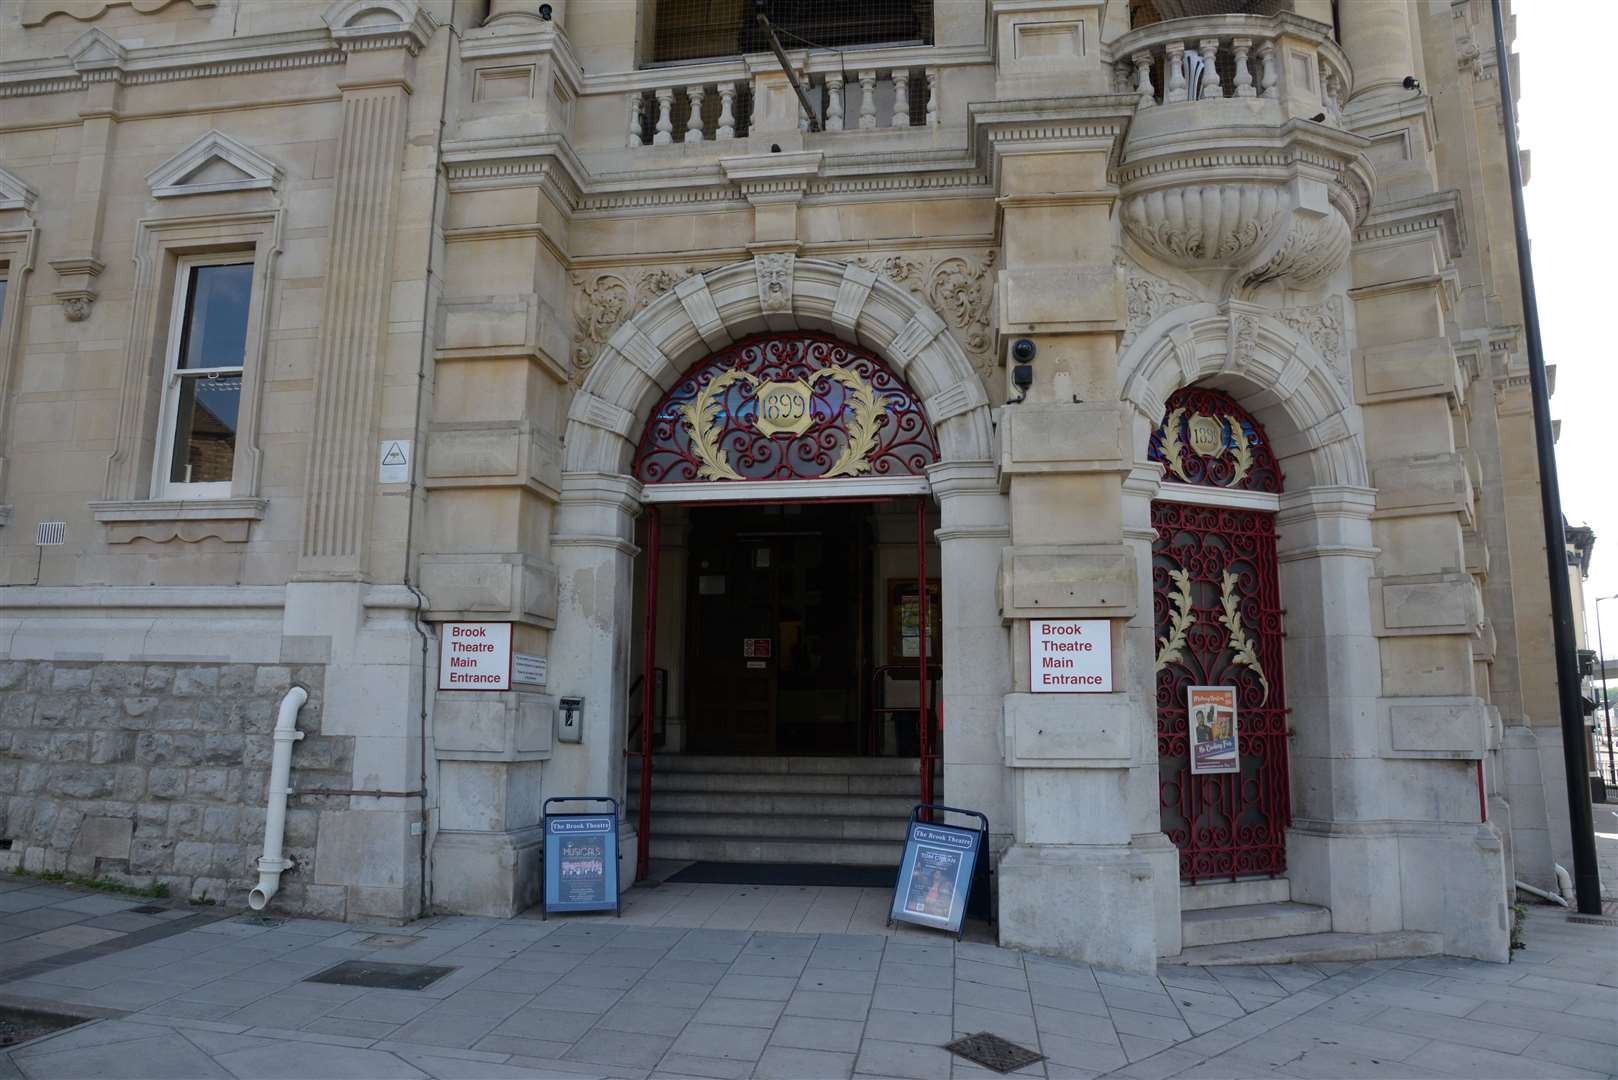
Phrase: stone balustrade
pixel 1283 59
pixel 857 99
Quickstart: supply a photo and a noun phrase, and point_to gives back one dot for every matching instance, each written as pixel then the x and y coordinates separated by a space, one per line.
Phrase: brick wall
pixel 147 773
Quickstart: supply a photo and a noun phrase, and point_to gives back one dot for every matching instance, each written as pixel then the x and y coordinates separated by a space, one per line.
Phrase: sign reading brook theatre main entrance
pixel 1069 656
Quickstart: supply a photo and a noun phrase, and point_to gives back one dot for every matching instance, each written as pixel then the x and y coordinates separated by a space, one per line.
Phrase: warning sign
pixel 394 465
pixel 756 648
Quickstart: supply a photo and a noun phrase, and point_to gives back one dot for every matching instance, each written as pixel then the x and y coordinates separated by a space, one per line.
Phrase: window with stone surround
pixel 187 461
pixel 202 378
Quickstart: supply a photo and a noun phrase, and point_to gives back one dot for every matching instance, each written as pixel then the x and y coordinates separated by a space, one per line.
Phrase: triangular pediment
pixel 14 194
pixel 95 49
pixel 215 162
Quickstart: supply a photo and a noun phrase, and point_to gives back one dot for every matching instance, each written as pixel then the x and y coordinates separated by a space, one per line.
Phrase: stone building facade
pixel 1274 435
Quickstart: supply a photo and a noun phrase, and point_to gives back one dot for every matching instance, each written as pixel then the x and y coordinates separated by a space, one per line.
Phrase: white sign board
pixel 1070 656
pixel 528 668
pixel 474 656
pixel 393 462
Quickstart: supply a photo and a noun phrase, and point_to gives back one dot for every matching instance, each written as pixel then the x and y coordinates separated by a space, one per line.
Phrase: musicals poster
pixel 1211 712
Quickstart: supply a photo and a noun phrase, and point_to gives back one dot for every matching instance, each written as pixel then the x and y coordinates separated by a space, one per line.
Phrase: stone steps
pixel 844 811
pixel 1220 894
pixel 1312 948
pixel 1251 922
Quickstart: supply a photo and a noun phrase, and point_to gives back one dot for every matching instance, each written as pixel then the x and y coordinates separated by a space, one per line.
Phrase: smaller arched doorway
pixel 789 469
pixel 1218 616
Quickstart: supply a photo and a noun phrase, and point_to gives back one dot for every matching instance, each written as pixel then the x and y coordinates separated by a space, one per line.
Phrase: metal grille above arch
pixel 1206 439
pixel 793 406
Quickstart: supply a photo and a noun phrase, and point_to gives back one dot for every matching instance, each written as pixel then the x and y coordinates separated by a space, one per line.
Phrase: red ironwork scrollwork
pixel 1208 440
pixel 1216 601
pixel 828 409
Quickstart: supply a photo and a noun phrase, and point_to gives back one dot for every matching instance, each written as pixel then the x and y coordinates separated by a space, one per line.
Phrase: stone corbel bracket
pixel 76 288
pixel 1258 205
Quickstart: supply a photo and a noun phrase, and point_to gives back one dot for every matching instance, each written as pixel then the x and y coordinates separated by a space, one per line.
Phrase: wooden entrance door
pixel 775 648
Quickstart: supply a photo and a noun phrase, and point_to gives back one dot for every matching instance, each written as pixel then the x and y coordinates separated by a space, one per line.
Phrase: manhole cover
pixel 147 909
pixel 381 976
pixel 391 939
pixel 993 1052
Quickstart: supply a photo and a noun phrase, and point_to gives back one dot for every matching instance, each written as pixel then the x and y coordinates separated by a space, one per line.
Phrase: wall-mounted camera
pixel 1023 351
pixel 545 12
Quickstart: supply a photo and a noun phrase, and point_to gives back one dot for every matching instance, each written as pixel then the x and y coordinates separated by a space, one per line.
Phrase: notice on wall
pixel 474 656
pixel 528 669
pixel 1211 718
pixel 757 648
pixel 581 862
pixel 1070 656
pixel 393 462
pixel 935 876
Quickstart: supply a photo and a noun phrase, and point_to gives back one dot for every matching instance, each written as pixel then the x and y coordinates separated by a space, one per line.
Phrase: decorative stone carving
pixel 960 288
pixel 1150 297
pixel 1322 324
pixel 775 281
pixel 603 299
pixel 77 308
pixel 76 278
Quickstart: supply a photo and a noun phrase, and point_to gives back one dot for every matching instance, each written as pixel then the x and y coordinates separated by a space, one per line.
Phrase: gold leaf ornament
pixel 1173 449
pixel 1239 642
pixel 1242 450
pixel 700 413
pixel 1172 646
pixel 862 425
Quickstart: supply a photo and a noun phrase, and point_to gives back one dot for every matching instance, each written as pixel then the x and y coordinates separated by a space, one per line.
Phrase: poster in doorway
pixel 1211 723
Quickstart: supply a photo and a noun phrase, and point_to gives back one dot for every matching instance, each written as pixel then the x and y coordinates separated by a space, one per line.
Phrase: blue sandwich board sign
pixel 581 858
pixel 937 871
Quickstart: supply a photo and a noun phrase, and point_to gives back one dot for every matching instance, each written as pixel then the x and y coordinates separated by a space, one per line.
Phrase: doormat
pixel 724 873
pixel 993 1052
pixel 378 976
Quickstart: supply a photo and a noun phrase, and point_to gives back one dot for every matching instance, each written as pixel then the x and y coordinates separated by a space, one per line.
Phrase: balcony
pixel 1237 168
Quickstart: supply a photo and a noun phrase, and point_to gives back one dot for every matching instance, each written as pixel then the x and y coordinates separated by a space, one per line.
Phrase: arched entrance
pixel 596 539
pixel 1223 774
pixel 787 656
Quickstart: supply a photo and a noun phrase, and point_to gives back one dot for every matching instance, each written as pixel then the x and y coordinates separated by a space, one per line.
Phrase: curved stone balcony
pixel 1236 167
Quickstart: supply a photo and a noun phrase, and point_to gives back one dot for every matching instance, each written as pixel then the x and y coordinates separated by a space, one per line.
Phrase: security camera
pixel 1412 83
pixel 1023 350
pixel 545 12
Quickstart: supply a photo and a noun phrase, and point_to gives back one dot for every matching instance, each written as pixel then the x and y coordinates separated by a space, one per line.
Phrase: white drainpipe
pixel 272 864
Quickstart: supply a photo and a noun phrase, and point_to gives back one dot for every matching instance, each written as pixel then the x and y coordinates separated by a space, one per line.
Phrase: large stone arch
pixel 708 311
pixel 593 536
pixel 1298 395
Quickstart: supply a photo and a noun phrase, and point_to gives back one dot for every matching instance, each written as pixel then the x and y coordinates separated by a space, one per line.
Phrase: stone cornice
pixel 1441 211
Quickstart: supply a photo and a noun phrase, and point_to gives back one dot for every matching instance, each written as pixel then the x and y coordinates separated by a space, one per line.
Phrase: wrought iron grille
pixel 698 29
pixel 786 407
pixel 1208 440
pixel 1216 602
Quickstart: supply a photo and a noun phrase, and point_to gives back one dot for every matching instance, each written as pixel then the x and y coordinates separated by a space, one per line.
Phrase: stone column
pixel 595 555
pixel 974 528
pixel 1074 883
pixel 1418 803
pixel 523 12
pixel 342 455
pixel 1376 36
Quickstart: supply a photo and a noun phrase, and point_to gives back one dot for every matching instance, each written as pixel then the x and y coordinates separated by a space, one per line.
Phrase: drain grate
pixel 1593 920
pixel 380 976
pixel 261 920
pixel 993 1052
pixel 147 909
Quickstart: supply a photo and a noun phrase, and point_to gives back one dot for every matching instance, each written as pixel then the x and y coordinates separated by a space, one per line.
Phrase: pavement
pixel 751 981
